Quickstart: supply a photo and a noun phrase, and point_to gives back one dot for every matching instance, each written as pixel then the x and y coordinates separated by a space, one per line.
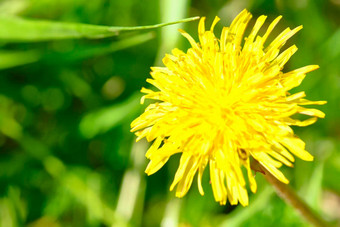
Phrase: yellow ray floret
pixel 222 103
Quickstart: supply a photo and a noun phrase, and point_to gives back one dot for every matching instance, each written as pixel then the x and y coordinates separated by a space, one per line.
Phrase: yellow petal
pixel 189 38
pixel 271 28
pixel 297 147
pixel 311 112
pixel 185 158
pixel 276 173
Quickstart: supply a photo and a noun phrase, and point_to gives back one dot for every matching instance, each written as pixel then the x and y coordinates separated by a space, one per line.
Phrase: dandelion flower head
pixel 222 103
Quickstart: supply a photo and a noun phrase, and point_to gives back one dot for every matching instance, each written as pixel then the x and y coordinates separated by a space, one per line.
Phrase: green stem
pixel 290 197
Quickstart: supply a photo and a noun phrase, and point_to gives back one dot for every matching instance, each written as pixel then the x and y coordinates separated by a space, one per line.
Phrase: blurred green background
pixel 67 157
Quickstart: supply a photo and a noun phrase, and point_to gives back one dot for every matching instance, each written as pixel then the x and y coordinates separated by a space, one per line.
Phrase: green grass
pixel 69 88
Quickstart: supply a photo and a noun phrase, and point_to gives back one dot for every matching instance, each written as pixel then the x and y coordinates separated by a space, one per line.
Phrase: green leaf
pixel 84 52
pixel 16 29
pixel 9 59
pixel 102 120
pixel 313 195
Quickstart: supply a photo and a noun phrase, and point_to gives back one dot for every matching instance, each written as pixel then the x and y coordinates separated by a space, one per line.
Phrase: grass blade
pixel 16 29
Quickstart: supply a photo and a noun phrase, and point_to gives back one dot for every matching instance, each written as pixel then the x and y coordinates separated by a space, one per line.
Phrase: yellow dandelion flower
pixel 222 103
